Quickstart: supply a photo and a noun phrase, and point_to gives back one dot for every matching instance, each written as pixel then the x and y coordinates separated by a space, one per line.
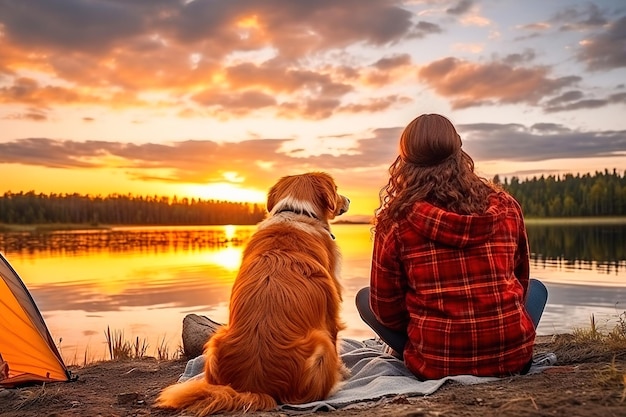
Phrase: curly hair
pixel 432 168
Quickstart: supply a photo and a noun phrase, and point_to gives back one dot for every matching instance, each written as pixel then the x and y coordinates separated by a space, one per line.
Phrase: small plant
pixel 613 376
pixel 591 334
pixel 119 348
pixel 163 351
pixel 32 397
pixel 140 348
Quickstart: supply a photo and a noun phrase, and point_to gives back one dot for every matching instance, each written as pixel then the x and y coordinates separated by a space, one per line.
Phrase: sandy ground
pixel 588 380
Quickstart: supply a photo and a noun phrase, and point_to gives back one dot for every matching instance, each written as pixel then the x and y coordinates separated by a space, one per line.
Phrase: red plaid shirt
pixel 457 285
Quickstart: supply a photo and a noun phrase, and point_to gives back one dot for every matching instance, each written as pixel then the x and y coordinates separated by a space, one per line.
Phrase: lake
pixel 142 281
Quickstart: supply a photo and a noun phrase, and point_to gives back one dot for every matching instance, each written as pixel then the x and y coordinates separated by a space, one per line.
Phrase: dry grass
pixel 120 348
pixel 36 395
pixel 594 345
pixel 613 376
pixel 163 351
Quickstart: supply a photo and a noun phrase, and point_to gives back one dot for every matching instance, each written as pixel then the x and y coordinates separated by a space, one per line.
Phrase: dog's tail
pixel 201 398
pixel 322 371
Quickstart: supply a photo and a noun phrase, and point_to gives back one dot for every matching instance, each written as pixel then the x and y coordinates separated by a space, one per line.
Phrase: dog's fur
pixel 280 344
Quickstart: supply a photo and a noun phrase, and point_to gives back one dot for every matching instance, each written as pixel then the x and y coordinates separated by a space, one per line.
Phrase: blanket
pixel 374 376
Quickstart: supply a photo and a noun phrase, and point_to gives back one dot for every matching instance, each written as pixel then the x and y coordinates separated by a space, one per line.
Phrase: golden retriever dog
pixel 280 343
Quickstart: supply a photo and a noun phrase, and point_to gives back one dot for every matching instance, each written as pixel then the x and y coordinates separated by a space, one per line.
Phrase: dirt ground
pixel 588 380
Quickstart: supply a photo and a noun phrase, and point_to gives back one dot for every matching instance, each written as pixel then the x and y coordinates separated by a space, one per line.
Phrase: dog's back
pixel 280 345
pixel 284 318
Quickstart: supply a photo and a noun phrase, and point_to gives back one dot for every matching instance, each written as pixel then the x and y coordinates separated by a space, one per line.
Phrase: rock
pixel 129 398
pixel 197 330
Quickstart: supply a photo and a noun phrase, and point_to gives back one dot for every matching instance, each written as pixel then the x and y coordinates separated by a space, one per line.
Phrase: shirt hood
pixel 453 229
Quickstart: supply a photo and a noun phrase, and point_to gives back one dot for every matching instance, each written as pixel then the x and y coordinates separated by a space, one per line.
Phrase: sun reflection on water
pixel 228 258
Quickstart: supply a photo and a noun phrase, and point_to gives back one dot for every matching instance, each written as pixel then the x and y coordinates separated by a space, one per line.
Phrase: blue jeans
pixel 535 303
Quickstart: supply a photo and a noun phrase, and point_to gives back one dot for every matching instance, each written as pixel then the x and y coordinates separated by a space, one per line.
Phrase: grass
pixel 36 395
pixel 613 339
pixel 120 348
pixel 602 344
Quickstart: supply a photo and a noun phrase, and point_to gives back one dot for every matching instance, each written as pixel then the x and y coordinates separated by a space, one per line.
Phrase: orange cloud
pixel 469 84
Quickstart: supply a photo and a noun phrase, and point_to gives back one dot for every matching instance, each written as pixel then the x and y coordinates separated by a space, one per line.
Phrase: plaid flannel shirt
pixel 456 284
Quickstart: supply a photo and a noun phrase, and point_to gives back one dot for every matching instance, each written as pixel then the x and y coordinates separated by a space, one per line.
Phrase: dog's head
pixel 313 193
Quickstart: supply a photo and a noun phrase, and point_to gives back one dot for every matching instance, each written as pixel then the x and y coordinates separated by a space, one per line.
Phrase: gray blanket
pixel 374 375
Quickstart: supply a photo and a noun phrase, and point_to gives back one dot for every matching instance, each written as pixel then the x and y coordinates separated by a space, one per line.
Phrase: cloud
pixel 462 7
pixel 606 50
pixel 234 103
pixel 32 114
pixel 574 100
pixel 469 84
pixel 204 56
pixel 359 161
pixel 541 142
pixel 580 17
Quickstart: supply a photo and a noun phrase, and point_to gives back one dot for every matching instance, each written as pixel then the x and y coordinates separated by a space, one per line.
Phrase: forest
pixel 32 208
pixel 600 194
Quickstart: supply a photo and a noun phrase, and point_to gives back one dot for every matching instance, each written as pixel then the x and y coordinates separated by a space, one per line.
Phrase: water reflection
pixel 145 280
pixel 124 239
pixel 579 246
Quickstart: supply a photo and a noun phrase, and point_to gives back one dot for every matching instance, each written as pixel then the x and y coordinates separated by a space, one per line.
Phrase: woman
pixel 450 267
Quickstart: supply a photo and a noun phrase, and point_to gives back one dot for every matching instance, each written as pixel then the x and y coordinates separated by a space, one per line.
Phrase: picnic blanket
pixel 374 376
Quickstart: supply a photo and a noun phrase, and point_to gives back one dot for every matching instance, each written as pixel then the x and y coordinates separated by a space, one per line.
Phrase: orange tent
pixel 27 352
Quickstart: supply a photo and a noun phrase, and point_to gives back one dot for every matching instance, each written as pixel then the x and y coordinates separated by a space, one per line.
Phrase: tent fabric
pixel 26 346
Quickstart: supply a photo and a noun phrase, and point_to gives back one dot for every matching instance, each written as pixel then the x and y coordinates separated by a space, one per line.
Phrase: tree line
pixel 600 194
pixel 33 208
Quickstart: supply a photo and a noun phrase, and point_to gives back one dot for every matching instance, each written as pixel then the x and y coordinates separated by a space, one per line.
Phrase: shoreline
pixel 588 380
pixel 53 227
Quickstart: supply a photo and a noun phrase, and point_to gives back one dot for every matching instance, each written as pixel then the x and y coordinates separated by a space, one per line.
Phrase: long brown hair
pixel 432 167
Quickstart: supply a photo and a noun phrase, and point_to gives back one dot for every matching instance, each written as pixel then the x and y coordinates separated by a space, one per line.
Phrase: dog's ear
pixel 276 192
pixel 271 197
pixel 329 193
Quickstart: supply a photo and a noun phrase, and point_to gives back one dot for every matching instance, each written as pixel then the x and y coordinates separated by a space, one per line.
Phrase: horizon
pixel 218 100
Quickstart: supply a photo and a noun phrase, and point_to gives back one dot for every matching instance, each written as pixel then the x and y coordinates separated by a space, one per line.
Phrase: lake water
pixel 143 281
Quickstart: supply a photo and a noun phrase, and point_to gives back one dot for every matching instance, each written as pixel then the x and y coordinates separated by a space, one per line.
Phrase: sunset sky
pixel 217 99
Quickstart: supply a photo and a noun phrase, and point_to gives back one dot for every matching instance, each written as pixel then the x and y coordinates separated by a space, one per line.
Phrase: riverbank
pixel 50 227
pixel 356 220
pixel 588 380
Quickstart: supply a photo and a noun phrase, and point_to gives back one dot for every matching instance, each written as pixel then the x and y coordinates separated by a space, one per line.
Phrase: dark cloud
pixel 392 62
pixel 607 49
pixel 579 18
pixel 422 29
pixel 70 24
pixel 218 26
pixel 461 7
pixel 516 142
pixel 519 58
pixel 566 97
pixel 574 100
